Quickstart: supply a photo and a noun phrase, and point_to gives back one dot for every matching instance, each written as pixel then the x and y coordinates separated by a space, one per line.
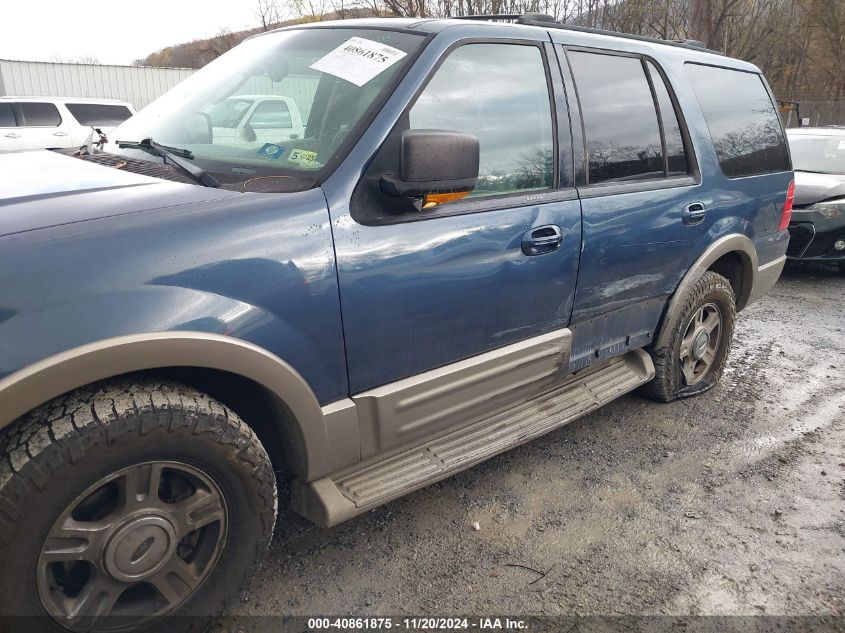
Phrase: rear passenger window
pixel 39 114
pixel 271 115
pixel 97 114
pixel 7 115
pixel 743 124
pixel 620 119
pixel 498 92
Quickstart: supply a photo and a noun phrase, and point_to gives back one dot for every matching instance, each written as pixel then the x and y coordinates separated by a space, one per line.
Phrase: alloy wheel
pixel 700 343
pixel 132 547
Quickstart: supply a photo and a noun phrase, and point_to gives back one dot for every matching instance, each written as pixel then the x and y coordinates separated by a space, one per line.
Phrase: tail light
pixel 787 207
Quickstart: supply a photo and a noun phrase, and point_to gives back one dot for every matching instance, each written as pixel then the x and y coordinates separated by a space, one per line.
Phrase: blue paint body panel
pixel 89 252
pixel 258 267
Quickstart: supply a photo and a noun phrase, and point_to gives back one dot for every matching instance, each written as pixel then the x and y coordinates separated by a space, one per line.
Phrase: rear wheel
pixel 127 504
pixel 698 337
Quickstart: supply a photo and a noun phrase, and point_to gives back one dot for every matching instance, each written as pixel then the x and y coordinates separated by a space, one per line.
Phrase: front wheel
pixel 128 504
pixel 698 336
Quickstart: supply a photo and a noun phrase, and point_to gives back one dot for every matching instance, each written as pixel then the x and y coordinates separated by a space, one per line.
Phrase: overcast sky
pixel 112 31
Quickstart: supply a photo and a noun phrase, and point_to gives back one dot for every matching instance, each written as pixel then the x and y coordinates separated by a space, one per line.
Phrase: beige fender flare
pixel 326 433
pixel 736 243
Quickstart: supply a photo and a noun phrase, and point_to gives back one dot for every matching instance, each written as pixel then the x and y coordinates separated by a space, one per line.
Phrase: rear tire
pixel 129 498
pixel 698 336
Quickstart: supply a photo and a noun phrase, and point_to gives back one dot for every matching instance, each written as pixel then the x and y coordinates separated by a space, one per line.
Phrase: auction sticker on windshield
pixel 358 60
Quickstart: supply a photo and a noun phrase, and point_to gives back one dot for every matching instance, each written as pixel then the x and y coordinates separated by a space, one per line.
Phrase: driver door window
pixel 499 93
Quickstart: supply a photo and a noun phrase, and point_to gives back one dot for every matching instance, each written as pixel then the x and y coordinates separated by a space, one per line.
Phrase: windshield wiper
pixel 174 156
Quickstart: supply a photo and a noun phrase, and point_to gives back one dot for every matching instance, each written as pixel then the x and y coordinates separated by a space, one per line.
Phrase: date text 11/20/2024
pixel 422 623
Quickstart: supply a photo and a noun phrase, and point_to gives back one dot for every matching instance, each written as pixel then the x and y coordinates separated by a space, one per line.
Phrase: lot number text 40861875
pixel 418 623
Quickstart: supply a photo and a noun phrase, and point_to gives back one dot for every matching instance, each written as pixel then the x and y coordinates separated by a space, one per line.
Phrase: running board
pixel 331 500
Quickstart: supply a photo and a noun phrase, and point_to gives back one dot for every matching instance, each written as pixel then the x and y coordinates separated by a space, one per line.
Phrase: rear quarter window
pixel 271 115
pixel 96 114
pixel 742 120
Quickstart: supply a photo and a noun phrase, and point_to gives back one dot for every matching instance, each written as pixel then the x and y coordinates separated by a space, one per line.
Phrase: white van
pixel 56 122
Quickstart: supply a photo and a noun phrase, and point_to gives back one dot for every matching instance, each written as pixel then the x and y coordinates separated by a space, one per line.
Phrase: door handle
pixel 59 133
pixel 693 213
pixel 541 240
pixel 13 135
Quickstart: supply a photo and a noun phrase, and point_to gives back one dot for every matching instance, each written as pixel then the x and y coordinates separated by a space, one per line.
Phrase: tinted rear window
pixel 271 115
pixel 96 114
pixel 40 114
pixel 743 123
pixel 7 115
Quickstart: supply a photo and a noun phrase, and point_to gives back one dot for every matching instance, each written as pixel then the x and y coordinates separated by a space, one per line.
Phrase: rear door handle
pixel 13 135
pixel 542 239
pixel 693 213
pixel 59 133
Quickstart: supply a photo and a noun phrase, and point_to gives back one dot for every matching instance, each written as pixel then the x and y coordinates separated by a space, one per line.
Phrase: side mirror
pixel 434 162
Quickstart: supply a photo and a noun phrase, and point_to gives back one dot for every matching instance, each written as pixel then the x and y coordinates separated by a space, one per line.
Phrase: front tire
pixel 698 335
pixel 127 504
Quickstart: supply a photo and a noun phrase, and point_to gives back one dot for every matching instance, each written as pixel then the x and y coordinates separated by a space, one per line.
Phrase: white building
pixel 138 85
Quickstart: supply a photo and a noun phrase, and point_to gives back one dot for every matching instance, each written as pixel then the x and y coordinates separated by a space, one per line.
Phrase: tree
pixel 311 10
pixel 84 59
pixel 799 44
pixel 268 13
pixel 224 41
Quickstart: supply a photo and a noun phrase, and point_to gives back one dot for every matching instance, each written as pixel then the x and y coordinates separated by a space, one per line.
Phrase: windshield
pixel 823 153
pixel 281 104
pixel 228 113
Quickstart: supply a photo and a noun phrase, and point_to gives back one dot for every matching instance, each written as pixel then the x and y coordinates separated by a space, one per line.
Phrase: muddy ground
pixel 729 503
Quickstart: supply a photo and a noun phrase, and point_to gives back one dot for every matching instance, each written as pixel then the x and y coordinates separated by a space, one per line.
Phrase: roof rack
pixel 519 18
pixel 547 21
pixel 491 17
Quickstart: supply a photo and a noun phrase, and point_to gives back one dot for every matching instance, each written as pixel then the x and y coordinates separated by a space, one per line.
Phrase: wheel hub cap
pixel 139 548
pixel 702 338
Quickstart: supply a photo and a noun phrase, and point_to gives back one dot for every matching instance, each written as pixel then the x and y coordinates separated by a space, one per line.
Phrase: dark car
pixel 817 228
pixel 485 231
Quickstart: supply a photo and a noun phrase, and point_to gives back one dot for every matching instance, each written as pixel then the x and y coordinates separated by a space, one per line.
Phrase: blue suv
pixel 460 235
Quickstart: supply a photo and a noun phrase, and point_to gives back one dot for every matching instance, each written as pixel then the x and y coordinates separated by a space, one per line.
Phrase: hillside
pixel 799 44
pixel 198 53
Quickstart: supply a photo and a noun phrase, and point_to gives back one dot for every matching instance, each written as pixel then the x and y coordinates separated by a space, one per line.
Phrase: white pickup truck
pixel 257 119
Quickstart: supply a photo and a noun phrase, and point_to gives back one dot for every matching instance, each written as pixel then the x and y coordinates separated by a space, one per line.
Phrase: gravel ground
pixel 732 503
